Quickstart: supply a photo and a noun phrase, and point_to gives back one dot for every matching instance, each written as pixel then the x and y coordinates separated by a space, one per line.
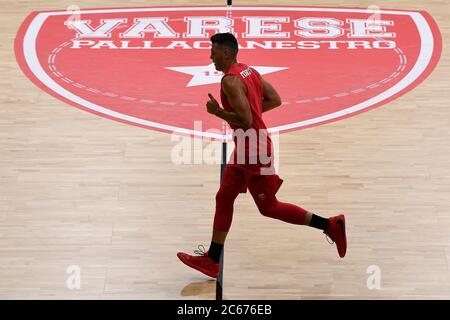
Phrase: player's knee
pixel 223 196
pixel 219 196
pixel 266 206
pixel 266 211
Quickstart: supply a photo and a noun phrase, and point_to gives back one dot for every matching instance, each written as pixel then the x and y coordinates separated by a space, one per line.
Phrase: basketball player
pixel 245 95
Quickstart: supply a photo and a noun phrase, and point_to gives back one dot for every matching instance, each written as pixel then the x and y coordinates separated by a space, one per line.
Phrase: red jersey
pixel 255 141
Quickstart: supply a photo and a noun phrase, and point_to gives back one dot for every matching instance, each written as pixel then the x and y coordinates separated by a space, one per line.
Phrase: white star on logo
pixel 208 74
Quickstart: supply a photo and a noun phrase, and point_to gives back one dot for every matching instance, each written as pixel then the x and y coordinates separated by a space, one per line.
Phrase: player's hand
pixel 212 105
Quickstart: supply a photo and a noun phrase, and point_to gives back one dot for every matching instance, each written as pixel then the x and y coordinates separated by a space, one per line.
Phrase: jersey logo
pixel 246 73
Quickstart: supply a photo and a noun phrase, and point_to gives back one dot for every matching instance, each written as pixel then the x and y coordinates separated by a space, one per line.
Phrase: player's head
pixel 224 49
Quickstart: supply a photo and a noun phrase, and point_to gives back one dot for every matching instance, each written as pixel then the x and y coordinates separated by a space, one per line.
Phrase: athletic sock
pixel 319 222
pixel 214 252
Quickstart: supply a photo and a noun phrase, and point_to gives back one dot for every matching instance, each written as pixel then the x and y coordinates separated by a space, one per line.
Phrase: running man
pixel 245 95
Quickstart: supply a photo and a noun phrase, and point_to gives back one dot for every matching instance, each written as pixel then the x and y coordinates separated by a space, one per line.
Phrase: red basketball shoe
pixel 336 231
pixel 201 262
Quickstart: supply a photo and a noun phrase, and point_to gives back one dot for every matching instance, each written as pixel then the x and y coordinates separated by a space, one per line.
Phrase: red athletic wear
pixel 254 169
pixel 250 169
pixel 258 145
pixel 336 231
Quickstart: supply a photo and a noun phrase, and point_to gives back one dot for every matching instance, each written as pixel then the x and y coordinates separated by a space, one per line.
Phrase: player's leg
pixel 233 182
pixel 263 189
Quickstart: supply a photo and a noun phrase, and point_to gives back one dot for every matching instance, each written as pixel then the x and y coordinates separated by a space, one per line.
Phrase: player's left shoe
pixel 202 262
pixel 336 231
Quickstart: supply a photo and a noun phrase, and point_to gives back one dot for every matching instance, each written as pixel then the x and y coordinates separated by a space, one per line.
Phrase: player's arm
pixel 271 98
pixel 234 89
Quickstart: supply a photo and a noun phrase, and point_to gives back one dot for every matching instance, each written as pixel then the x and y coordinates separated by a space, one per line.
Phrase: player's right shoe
pixel 201 263
pixel 336 232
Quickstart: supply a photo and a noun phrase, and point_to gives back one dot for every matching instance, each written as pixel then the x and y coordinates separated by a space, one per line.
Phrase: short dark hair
pixel 227 40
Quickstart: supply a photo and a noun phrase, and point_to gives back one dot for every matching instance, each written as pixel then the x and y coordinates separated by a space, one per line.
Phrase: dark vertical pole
pixel 219 280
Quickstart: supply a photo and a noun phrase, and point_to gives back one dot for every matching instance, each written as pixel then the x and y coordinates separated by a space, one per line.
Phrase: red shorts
pixel 251 176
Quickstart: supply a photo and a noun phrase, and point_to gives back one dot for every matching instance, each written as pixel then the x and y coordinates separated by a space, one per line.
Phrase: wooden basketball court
pixel 80 190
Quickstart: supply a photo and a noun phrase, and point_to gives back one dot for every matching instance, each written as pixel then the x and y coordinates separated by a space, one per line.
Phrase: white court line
pixel 424 58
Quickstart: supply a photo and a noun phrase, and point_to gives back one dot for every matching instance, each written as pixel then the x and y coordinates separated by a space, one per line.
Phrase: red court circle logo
pixel 150 67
